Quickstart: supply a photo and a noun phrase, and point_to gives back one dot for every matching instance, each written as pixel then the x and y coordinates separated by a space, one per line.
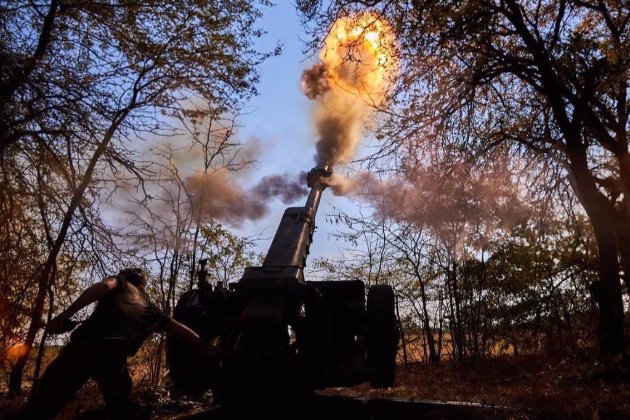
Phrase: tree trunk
pixel 459 332
pixel 623 240
pixel 17 371
pixel 42 342
pixel 623 223
pixel 607 293
pixel 18 77
pixel 607 290
pixel 452 321
pixel 15 378
pixel 402 333
pixel 433 357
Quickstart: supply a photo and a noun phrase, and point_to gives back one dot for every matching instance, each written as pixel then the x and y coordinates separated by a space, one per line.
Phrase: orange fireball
pixel 360 56
pixel 358 64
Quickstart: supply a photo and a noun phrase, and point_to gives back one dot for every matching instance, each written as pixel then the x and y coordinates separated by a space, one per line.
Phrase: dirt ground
pixel 532 386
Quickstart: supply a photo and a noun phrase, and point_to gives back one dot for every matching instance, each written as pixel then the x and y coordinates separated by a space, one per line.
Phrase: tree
pixel 84 79
pixel 227 253
pixel 396 254
pixel 548 77
pixel 521 290
pixel 539 291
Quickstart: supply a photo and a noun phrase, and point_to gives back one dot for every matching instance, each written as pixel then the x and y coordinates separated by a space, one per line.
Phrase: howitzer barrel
pixel 316 180
pixel 290 245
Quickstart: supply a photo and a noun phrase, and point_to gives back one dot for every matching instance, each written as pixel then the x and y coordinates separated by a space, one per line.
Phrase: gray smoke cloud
pixel 279 186
pixel 216 196
pixel 362 184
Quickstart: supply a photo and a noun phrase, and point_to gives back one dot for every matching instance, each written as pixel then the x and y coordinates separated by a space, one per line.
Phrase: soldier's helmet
pixel 134 275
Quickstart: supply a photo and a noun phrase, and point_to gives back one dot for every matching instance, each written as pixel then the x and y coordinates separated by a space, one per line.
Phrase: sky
pixel 278 120
pixel 279 117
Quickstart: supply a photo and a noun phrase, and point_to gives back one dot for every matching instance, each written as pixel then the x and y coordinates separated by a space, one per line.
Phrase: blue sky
pixel 279 118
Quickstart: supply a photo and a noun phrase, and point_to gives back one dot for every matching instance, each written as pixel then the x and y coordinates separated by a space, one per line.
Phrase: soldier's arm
pixel 181 332
pixel 89 295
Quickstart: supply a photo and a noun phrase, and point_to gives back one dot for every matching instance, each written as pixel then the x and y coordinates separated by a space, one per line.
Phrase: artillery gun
pixel 281 335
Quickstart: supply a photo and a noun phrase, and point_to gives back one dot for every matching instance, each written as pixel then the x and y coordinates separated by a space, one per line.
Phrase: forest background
pixel 491 192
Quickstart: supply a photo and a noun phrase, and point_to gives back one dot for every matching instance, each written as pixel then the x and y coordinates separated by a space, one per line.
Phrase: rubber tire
pixel 382 335
pixel 187 370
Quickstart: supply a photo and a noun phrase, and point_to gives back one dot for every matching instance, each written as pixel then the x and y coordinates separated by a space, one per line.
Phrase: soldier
pixel 123 318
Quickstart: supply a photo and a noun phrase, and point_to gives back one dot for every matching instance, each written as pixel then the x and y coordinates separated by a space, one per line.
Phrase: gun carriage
pixel 281 335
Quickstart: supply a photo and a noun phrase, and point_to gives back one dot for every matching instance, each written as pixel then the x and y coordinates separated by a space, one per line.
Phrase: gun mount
pixel 281 335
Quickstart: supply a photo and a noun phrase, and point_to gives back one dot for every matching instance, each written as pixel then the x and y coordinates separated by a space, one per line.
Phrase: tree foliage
pixel 81 83
pixel 525 291
pixel 547 78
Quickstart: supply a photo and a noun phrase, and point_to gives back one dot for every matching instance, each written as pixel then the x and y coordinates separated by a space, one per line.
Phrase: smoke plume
pixel 337 114
pixel 216 195
pixel 456 200
pixel 314 81
pixel 279 186
pixel 363 184
pixel 356 64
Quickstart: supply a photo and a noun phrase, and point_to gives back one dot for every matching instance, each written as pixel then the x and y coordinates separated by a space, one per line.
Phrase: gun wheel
pixel 189 373
pixel 382 335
